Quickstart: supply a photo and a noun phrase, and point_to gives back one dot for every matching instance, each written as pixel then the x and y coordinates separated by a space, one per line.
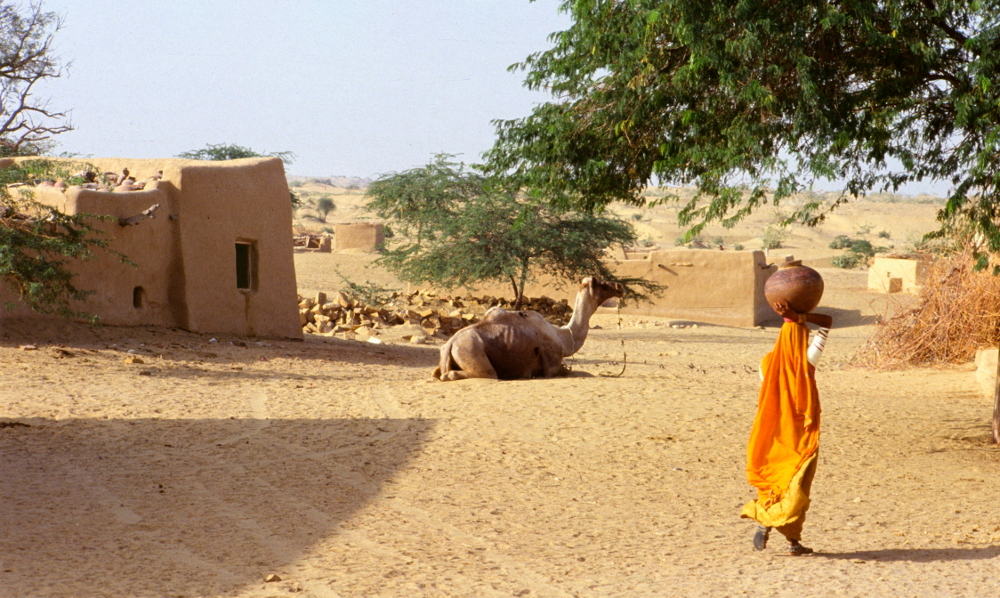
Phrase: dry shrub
pixel 957 313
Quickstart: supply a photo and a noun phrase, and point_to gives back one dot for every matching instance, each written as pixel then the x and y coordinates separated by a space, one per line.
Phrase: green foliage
pixel 863 247
pixel 841 242
pixel 455 227
pixel 718 241
pixel 37 241
pixel 884 234
pixel 368 292
pixel 752 101
pixel 859 251
pixel 324 205
pixel 773 237
pixel 848 261
pixel 225 151
pixel 865 229
pixel 738 247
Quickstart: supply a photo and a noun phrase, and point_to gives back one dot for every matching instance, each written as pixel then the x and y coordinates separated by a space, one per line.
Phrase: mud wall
pixel 220 226
pixel 895 275
pixel 715 287
pixel 363 236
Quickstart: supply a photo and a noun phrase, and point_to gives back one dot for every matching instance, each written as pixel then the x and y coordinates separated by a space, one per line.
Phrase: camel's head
pixel 601 291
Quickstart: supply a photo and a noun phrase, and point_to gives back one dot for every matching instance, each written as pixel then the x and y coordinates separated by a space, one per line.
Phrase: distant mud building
pixel 216 256
pixel 700 285
pixel 363 236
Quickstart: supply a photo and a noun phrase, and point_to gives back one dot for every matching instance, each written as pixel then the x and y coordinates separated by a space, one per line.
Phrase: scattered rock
pixel 440 317
pixel 134 360
pixel 28 348
pixel 272 578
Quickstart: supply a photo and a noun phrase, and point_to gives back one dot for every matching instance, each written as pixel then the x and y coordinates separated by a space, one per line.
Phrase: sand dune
pixel 342 469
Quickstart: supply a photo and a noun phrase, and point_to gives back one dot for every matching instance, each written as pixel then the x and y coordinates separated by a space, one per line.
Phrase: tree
pixel 223 151
pixel 37 242
pixel 27 124
pixel 462 228
pixel 325 205
pixel 749 98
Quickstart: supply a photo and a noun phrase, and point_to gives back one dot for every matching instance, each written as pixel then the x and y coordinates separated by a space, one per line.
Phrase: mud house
pixel 898 274
pixel 363 236
pixel 714 287
pixel 216 257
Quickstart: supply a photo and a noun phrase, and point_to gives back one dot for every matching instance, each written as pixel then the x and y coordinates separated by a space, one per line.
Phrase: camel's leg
pixel 467 355
pixel 444 360
pixel 552 365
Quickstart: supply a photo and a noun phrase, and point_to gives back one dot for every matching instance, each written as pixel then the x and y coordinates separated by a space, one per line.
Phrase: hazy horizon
pixel 353 89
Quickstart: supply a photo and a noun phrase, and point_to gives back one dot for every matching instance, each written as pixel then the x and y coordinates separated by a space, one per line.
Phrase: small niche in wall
pixel 138 297
pixel 246 265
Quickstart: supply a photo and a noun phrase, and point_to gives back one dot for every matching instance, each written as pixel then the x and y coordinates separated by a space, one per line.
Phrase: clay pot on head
pixel 800 286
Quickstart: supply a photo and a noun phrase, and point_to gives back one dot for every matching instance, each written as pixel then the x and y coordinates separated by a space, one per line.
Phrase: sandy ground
pixel 340 467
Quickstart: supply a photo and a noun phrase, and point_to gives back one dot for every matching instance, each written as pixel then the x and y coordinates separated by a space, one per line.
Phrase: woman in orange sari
pixel 784 441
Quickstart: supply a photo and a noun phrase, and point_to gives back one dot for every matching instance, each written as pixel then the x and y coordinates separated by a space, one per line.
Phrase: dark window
pixel 243 265
pixel 138 297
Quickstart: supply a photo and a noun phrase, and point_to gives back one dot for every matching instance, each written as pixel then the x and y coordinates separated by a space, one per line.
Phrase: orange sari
pixel 781 454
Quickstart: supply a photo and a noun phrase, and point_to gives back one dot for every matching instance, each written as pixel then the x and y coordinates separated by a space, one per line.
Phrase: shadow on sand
pixel 916 555
pixel 175 345
pixel 182 507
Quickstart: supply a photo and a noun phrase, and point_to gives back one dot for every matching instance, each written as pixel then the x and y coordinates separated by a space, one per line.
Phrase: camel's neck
pixel 579 324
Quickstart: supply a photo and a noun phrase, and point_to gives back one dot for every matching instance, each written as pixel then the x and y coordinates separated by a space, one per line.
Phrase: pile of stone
pixel 425 314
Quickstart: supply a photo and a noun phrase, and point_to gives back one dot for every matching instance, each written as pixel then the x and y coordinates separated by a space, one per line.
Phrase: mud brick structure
pixel 897 275
pixel 216 257
pixel 364 236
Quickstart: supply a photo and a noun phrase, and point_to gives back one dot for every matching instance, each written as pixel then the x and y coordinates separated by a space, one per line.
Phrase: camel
pixel 510 345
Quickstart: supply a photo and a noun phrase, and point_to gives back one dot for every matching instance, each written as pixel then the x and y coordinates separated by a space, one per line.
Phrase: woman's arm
pixel 823 321
pixel 785 311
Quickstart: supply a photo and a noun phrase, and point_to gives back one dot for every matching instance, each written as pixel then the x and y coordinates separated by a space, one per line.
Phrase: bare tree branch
pixel 26 122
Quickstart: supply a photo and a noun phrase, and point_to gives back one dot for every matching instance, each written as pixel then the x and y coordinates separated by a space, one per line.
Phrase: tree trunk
pixel 520 290
pixel 996 404
pixel 517 296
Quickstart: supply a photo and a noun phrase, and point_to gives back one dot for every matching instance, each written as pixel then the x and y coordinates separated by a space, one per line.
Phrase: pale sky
pixel 352 87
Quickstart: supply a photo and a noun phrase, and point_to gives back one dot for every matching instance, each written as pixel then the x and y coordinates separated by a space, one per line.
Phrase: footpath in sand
pixel 340 468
